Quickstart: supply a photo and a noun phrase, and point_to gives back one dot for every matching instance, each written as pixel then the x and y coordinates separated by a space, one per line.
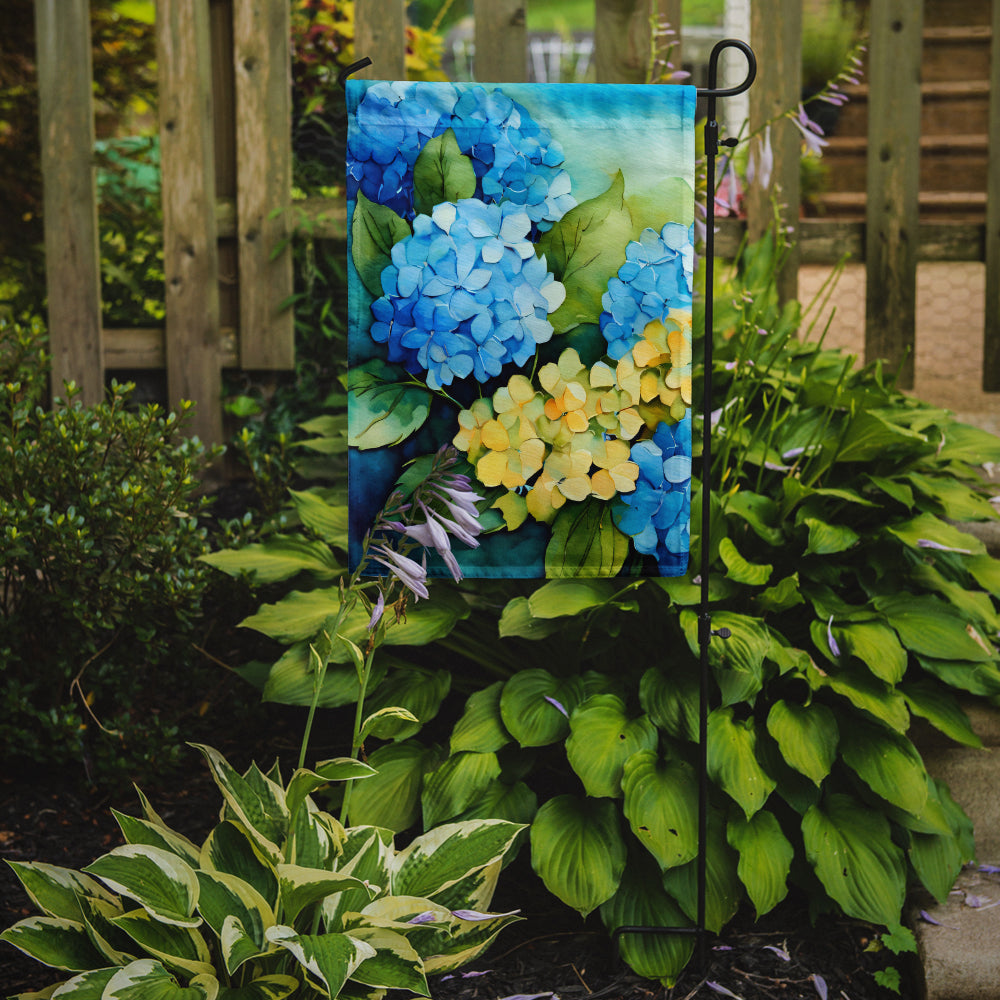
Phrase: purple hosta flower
pixel 928 543
pixel 819 984
pixel 719 988
pixel 476 915
pixel 655 278
pixel 377 611
pixel 557 704
pixel 392 124
pixel 427 917
pixel 411 574
pixel 465 294
pixel 830 641
pixel 515 158
pixel 812 134
pixel 760 165
pixel 728 195
pixel 657 513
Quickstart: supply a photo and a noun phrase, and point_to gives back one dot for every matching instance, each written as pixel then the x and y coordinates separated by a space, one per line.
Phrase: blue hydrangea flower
pixel 658 513
pixel 465 294
pixel 393 123
pixel 514 157
pixel 655 278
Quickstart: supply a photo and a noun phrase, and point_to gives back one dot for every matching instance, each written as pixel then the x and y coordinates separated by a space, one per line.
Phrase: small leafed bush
pixel 99 578
pixel 280 899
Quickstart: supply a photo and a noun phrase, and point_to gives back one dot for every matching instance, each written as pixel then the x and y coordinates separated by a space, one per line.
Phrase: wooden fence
pixel 226 161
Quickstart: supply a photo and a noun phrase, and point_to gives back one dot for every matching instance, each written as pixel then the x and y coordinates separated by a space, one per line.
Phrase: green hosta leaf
pixel 941 709
pixel 738 661
pixel 783 595
pixel 893 488
pixel 937 859
pixel 870 436
pixel 976 678
pixel 928 528
pixel 456 784
pixel 973 604
pixel 142 831
pixel 732 760
pixel 327 520
pixel 292 679
pixel 54 941
pixel 876 646
pixel 578 851
pixel 163 884
pixel 391 798
pixel 807 736
pixel 301 887
pixel 867 693
pixel 671 700
pixel 517 620
pixel 297 616
pixel 828 539
pixel 888 763
pixel 765 858
pixel 965 443
pixel 374 230
pixel 661 798
pixel 418 690
pixel 230 849
pixel 931 628
pixel 56 891
pixel 515 803
pixel 957 501
pixel 481 727
pixel 181 948
pixel 384 409
pixel 274 987
pixel 528 710
pixel 441 173
pixel 395 964
pixel 760 512
pixel 585 542
pixel 279 558
pixel 147 979
pixel 850 847
pixel 559 598
pixel 986 572
pixel 738 569
pixel 330 959
pixel 440 858
pixel 642 902
pixel 225 897
pixel 601 739
pixel 584 249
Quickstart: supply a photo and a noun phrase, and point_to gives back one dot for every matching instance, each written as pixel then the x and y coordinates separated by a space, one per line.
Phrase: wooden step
pixel 945 105
pixel 957 206
pixel 940 13
pixel 956 53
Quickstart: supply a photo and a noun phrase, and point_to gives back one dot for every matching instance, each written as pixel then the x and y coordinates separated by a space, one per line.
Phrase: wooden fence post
pixel 622 40
pixel 261 57
pixel 501 41
pixel 190 251
pixel 991 332
pixel 893 183
pixel 72 255
pixel 776 34
pixel 380 34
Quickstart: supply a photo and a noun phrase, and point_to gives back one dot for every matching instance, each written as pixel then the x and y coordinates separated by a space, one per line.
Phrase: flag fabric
pixel 520 265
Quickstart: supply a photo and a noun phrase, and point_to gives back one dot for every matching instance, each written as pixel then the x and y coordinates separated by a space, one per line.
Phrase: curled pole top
pixel 712 90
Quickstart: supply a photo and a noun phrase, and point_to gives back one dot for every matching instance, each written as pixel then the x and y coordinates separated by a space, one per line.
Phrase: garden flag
pixel 520 269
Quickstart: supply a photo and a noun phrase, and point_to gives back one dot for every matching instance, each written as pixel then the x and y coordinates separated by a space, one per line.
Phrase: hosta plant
pixel 279 900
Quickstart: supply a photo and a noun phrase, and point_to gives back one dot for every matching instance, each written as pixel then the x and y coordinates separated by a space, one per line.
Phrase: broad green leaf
pixel 147 979
pixel 888 763
pixel 440 858
pixel 384 408
pixel 280 557
pixel 535 706
pixel 850 848
pixel 374 230
pixel 164 885
pixel 391 798
pixel 578 851
pixel 395 964
pixel 181 948
pixel 481 728
pixel 976 605
pixel 230 849
pixel 327 520
pixel 559 598
pixel 273 987
pixel 893 488
pixel 807 736
pixel 870 436
pixel 783 595
pixel 292 680
pixel 54 941
pixel 419 690
pixel 330 959
pixel 986 572
pixel 456 784
pixel 958 502
pixel 866 692
pixel 828 539
pixel 298 615
pixel 928 528
pixel 515 803
pixel 738 569
pixel 585 542
pixel 602 737
pixel 765 858
pixel 661 799
pixel 517 620
pixel 732 760
pixel 760 512
pixel 584 250
pixel 738 661
pixel 56 891
pixel 876 646
pixel 932 628
pixel 976 678
pixel 671 699
pixel 937 857
pixel 941 709
pixel 965 443
pixel 301 887
pixel 640 901
pixel 441 173
pixel 142 831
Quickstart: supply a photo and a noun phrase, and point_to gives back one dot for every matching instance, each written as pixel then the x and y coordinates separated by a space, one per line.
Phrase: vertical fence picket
pixel 380 34
pixel 622 40
pixel 893 183
pixel 501 41
pixel 991 332
pixel 190 253
pixel 261 59
pixel 72 258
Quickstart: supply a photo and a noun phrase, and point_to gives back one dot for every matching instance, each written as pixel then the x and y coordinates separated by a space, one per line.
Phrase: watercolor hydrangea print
pixel 520 276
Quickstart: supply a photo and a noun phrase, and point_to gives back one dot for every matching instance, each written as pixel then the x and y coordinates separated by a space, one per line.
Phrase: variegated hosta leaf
pixel 56 891
pixel 367 853
pixel 87 986
pixel 54 941
pixel 315 839
pixel 328 959
pixel 304 782
pixel 158 880
pixel 225 897
pixel 456 784
pixel 177 947
pixel 230 849
pixel 116 947
pixel 395 964
pixel 481 727
pixel 441 857
pixel 850 847
pixel 274 987
pixel 578 851
pixel 661 800
pixel 256 801
pixel 765 858
pixel 300 887
pixel 602 738
pixel 238 945
pixel 468 939
pixel 141 831
pixel 807 736
pixel 732 760
pixel 475 891
pixel 149 980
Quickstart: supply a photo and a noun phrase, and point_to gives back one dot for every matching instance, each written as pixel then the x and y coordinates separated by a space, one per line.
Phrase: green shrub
pixel 101 587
